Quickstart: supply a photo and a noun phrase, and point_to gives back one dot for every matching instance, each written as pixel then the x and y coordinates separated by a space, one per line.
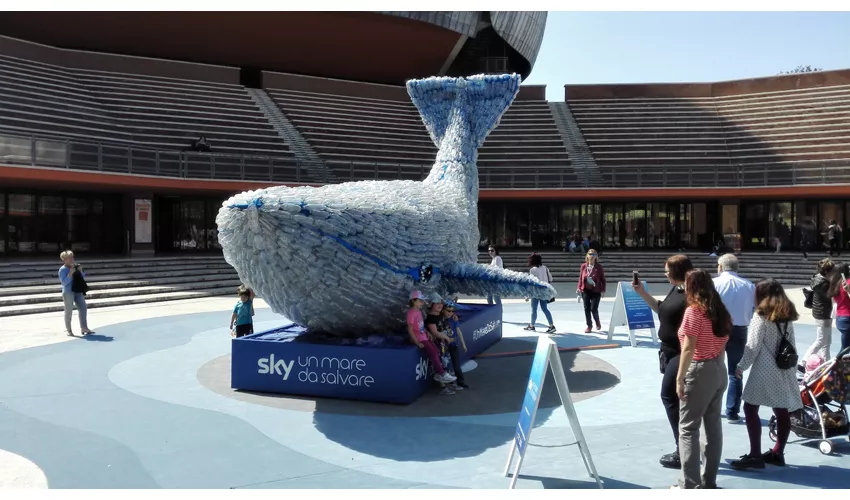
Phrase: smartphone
pixel 635 278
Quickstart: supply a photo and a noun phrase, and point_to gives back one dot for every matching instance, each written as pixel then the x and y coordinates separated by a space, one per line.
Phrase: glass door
pixel 755 225
pixel 613 227
pixel 779 225
pixel 591 221
pixel 635 222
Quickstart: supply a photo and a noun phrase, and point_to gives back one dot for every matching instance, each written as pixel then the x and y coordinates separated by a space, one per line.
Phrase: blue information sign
pixel 638 313
pixel 532 395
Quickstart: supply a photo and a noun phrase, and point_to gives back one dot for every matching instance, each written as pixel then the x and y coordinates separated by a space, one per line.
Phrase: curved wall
pixel 360 46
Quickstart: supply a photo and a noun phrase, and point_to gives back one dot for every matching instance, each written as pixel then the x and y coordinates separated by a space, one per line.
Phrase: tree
pixel 801 69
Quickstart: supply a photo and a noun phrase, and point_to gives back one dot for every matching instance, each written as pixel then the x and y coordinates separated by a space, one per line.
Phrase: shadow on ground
pixel 497 386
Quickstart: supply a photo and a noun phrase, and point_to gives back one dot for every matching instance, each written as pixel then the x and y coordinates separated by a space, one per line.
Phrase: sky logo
pixel 269 366
pixel 422 369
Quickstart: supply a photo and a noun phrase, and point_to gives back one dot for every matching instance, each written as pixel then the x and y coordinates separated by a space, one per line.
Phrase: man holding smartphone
pixel 739 296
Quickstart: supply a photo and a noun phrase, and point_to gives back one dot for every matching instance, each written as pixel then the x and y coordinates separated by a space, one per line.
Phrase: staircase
pixel 580 156
pixel 33 287
pixel 789 268
pixel 316 169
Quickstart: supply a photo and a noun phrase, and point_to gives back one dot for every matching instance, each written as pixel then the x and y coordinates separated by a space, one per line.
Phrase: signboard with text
pixel 632 311
pixel 545 356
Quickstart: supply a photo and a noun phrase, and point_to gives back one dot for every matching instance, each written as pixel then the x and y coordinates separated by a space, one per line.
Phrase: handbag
pixel 810 296
pixel 662 361
pixel 549 274
pixel 78 283
pixel 786 354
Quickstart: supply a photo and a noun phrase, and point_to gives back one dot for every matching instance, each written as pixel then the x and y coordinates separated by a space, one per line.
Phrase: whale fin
pixel 435 98
pixel 483 280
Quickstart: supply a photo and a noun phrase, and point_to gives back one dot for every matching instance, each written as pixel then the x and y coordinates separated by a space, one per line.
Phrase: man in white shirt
pixel 739 296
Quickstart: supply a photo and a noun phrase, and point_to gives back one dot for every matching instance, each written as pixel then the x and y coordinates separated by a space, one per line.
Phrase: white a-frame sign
pixel 630 310
pixel 546 356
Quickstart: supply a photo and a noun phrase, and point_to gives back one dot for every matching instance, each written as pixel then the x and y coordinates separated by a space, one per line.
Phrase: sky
pixel 656 47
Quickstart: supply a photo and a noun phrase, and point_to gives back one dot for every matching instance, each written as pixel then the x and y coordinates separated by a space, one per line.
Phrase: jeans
pixel 669 396
pixel 822 341
pixel 79 299
pixel 494 299
pixel 543 305
pixel 842 324
pixel 433 355
pixel 705 383
pixel 734 352
pixel 591 306
pixel 454 354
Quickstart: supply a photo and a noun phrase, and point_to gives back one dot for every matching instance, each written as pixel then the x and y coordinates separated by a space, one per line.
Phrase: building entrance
pixel 186 225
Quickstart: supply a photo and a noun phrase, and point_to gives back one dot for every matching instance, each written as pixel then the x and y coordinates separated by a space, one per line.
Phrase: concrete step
pixel 53 285
pixel 18 310
pixel 31 274
pixel 55 297
pixel 93 279
pixel 105 262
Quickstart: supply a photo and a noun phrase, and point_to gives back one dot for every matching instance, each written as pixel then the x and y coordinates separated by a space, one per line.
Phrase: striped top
pixel 696 324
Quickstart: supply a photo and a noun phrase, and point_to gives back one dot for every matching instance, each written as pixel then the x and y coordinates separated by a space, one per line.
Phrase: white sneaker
pixel 69 333
pixel 447 378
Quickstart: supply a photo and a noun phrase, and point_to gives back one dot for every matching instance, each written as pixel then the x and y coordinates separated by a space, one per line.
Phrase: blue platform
pixel 381 368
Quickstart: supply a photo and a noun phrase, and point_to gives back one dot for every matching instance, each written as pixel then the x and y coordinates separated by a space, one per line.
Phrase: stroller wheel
pixel 825 447
pixel 771 428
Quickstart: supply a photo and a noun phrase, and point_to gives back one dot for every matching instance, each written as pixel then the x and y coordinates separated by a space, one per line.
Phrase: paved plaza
pixel 146 403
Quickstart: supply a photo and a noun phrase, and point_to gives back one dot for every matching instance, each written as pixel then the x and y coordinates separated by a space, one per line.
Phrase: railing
pixel 114 158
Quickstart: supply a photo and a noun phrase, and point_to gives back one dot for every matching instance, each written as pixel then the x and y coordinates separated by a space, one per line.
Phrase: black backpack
pixel 78 283
pixel 786 354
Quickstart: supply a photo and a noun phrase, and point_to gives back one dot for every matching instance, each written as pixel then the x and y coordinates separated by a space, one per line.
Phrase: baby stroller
pixel 825 393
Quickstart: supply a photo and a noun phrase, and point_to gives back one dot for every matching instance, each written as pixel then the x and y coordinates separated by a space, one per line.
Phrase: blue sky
pixel 635 47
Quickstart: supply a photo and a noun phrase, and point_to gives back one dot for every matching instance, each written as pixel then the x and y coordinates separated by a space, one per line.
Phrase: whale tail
pixel 482 280
pixel 489 95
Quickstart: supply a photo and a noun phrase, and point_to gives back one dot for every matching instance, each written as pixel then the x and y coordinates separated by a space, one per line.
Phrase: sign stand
pixel 631 310
pixel 546 356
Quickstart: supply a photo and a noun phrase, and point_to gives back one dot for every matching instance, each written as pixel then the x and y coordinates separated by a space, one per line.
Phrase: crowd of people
pixel 711 332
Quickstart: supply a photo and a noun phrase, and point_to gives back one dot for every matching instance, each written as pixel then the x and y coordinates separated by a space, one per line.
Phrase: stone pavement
pixel 141 405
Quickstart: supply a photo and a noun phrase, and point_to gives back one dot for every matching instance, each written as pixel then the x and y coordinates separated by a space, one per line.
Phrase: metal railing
pixel 95 156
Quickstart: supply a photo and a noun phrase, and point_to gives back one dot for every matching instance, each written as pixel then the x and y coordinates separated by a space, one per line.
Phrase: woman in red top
pixel 839 290
pixel 591 286
pixel 702 379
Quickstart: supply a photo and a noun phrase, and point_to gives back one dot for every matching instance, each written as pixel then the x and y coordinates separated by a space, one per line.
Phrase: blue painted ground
pixel 125 409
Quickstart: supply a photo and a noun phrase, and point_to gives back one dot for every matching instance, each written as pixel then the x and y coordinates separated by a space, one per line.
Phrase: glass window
pixel 51 224
pixel 779 224
pixel 76 216
pixel 829 212
pixel 22 227
pixel 635 222
pixel 591 221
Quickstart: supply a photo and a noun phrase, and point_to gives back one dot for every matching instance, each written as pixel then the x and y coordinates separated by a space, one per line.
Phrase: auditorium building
pixel 101 119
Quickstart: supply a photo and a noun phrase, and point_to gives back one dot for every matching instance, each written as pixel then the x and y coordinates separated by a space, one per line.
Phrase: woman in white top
pixel 495 262
pixel 541 272
pixel 768 385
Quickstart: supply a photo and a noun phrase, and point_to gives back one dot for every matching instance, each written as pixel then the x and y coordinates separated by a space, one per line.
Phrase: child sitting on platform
pixel 452 331
pixel 419 336
pixel 435 324
pixel 243 313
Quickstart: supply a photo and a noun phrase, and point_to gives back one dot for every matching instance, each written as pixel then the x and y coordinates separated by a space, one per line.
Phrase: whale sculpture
pixel 342 259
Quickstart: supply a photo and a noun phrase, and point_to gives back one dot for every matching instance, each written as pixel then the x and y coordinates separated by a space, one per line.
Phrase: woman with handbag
pixel 771 357
pixel 821 311
pixel 591 286
pixel 541 272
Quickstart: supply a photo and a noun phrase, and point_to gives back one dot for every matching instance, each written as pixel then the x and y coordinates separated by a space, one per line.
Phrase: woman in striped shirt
pixel 702 379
